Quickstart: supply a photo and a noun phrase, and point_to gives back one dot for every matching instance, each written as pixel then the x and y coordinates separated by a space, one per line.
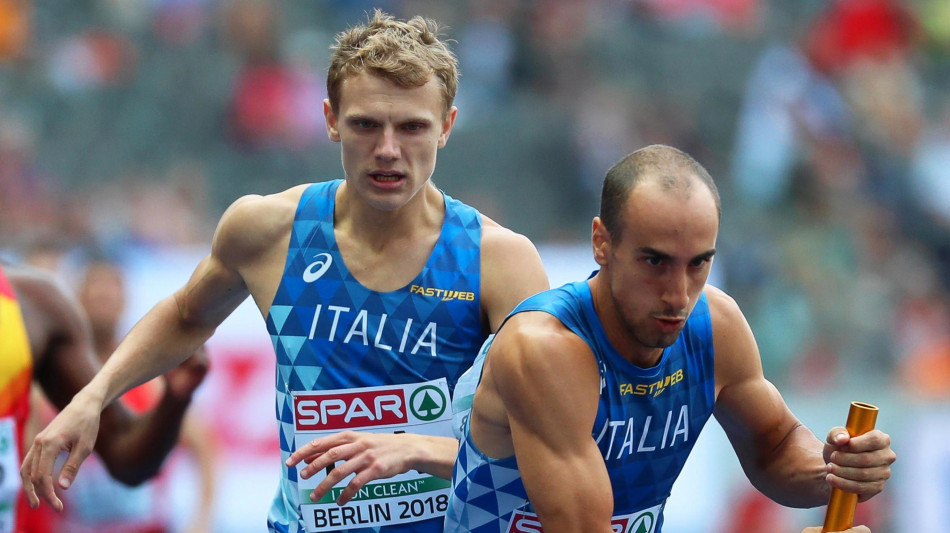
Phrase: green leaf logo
pixel 428 403
pixel 643 523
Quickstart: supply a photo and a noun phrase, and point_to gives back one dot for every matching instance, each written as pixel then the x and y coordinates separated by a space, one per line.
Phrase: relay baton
pixel 840 514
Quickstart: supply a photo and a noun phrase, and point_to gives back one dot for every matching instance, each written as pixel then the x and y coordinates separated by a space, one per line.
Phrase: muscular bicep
pixel 549 384
pixel 247 256
pixel 756 420
pixel 750 409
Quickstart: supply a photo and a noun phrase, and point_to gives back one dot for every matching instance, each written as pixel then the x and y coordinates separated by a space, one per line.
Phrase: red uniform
pixel 16 375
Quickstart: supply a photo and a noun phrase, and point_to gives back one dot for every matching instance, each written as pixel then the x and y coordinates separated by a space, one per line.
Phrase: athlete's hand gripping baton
pixel 840 514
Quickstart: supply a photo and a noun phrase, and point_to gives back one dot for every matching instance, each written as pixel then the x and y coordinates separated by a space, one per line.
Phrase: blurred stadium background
pixel 128 126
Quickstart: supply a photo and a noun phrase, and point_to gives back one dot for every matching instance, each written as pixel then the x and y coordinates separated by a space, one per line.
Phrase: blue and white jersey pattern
pixel 333 336
pixel 648 420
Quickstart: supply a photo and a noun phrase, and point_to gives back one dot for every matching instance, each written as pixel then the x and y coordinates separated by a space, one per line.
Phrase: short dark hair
pixel 668 165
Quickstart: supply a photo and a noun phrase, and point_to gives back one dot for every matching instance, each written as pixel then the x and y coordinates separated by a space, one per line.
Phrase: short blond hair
pixel 406 53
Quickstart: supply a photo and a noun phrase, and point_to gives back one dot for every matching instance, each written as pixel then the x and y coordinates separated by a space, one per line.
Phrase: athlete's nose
pixel 676 290
pixel 387 148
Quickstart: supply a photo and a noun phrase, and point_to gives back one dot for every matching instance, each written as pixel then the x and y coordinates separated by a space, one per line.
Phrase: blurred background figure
pixel 96 502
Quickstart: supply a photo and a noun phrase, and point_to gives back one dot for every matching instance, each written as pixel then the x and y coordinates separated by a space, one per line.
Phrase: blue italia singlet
pixel 647 422
pixel 349 358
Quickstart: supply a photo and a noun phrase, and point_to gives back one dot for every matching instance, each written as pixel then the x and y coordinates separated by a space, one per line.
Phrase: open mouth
pixel 387 177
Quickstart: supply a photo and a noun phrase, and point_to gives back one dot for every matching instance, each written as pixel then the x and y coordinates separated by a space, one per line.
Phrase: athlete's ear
pixel 447 124
pixel 600 240
pixel 332 131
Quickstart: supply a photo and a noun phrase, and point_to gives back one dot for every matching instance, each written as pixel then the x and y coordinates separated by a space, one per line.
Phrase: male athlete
pixel 45 337
pixel 377 290
pixel 593 394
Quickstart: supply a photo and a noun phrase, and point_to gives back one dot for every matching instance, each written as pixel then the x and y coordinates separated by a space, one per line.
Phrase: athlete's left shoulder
pixel 730 328
pixel 511 270
pixel 513 254
pixel 501 240
pixel 719 302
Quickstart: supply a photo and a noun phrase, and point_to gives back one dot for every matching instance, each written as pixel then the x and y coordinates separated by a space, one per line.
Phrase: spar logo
pixel 522 522
pixel 384 406
pixel 641 524
pixel 342 410
pixel 428 403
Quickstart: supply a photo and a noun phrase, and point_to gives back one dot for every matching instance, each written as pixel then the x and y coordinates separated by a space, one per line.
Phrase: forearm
pixel 160 341
pixel 134 447
pixel 794 473
pixel 136 454
pixel 435 455
pixel 578 498
pixel 573 514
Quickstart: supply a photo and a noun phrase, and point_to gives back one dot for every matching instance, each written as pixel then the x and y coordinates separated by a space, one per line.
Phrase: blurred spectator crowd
pixel 129 123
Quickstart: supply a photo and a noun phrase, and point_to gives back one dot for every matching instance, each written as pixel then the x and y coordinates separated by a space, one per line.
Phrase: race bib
pixel 644 521
pixel 421 408
pixel 9 474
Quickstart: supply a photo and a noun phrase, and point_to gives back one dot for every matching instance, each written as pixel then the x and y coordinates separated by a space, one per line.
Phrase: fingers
pixel 37 474
pixel 26 478
pixel 315 448
pixel 37 470
pixel 862 464
pixel 354 486
pixel 338 474
pixel 870 441
pixel 346 452
pixel 308 452
pixel 855 529
pixel 71 468
pixel 871 450
pixel 365 456
pixel 43 464
pixel 838 436
pixel 864 489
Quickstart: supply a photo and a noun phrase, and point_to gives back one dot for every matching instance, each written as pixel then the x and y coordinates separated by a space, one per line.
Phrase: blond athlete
pixel 378 290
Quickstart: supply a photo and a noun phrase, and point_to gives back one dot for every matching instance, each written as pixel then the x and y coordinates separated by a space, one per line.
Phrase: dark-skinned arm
pixel 132 447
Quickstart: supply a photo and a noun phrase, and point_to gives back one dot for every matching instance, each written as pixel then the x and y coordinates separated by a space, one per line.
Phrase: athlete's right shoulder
pixel 254 222
pixel 539 338
pixel 533 356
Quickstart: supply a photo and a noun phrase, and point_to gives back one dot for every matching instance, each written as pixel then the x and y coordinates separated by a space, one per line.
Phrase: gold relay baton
pixel 841 506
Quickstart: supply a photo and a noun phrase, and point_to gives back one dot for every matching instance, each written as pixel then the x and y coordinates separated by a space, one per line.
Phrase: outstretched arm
pixel 173 330
pixel 780 456
pixel 60 341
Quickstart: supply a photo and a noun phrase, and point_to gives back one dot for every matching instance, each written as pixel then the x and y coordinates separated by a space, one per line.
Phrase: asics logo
pixel 318 267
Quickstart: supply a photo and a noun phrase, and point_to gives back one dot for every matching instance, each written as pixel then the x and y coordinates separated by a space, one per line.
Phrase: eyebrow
pixel 646 250
pixel 361 116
